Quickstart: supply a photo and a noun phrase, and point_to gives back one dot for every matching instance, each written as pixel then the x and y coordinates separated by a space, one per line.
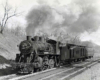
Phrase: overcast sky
pixel 26 5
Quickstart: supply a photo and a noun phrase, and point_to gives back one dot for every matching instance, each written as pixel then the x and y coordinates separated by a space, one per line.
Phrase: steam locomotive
pixel 40 53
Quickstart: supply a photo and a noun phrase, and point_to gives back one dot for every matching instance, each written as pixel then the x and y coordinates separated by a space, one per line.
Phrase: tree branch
pixel 7 15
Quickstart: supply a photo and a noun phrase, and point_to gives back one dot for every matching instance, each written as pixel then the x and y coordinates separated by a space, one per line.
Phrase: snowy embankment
pixel 92 73
pixel 4 66
pixel 8 45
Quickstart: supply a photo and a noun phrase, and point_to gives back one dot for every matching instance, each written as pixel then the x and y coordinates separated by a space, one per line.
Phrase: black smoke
pixel 50 19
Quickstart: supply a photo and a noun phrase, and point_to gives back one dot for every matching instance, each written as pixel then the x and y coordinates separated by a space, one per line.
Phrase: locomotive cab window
pixel 73 53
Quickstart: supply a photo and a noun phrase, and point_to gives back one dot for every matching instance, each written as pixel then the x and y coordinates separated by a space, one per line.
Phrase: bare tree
pixel 75 39
pixel 8 13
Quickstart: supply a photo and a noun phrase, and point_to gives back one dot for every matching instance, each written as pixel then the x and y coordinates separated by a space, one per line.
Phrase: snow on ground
pixel 92 73
pixel 3 66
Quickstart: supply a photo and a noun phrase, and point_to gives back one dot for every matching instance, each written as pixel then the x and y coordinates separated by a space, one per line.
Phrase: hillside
pixel 8 45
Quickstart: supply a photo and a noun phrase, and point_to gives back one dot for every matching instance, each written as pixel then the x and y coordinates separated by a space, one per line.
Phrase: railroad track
pixel 55 73
pixel 8 77
pixel 17 77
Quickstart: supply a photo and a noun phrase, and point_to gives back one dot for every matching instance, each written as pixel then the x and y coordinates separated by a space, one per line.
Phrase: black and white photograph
pixel 49 39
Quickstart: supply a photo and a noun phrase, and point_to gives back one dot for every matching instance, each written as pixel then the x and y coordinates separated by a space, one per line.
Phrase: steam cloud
pixel 65 19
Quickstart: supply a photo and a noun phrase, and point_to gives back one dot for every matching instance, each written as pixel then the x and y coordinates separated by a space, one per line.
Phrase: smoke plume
pixel 75 18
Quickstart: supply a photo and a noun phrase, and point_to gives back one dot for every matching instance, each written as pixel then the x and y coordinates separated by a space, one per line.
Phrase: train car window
pixel 73 53
pixel 77 51
pixel 70 53
pixel 83 51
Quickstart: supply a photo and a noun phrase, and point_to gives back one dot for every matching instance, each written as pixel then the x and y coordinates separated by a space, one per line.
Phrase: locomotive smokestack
pixel 29 38
pixel 42 39
pixel 36 38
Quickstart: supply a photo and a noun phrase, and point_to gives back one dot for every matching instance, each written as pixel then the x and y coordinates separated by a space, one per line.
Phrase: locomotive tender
pixel 38 54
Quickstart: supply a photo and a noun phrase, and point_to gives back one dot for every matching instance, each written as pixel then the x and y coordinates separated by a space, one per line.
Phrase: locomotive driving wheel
pixel 31 69
pixel 51 63
pixel 44 67
pixel 45 63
